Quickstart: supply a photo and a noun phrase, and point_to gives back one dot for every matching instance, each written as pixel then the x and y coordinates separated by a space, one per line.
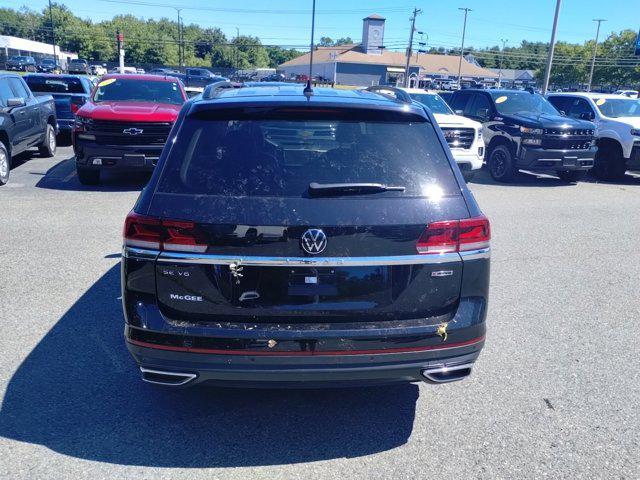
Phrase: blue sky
pixel 286 22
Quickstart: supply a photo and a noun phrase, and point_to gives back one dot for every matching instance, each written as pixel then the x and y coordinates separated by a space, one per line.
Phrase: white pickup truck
pixel 463 135
pixel 617 120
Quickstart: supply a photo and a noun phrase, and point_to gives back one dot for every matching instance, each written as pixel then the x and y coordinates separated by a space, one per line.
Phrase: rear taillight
pixel 455 236
pixel 162 234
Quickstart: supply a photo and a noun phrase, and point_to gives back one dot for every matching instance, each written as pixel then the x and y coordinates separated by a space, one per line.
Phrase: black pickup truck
pixel 523 131
pixel 26 121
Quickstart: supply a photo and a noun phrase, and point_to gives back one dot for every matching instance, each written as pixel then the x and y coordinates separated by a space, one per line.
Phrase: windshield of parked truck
pixel 126 90
pixel 618 107
pixel 433 102
pixel 510 103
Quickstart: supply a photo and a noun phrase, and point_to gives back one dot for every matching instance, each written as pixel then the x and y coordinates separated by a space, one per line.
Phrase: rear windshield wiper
pixel 351 188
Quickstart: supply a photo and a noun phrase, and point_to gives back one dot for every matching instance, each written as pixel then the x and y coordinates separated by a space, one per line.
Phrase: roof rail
pixel 213 89
pixel 393 92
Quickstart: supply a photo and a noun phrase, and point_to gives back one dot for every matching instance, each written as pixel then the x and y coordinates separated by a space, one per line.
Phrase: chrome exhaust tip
pixel 446 373
pixel 162 377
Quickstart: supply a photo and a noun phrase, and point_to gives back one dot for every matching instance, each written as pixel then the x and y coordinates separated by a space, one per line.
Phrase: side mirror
pixel 16 102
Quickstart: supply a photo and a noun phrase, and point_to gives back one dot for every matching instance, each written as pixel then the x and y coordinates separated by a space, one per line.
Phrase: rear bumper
pixel 540 159
pixel 116 157
pixel 307 371
pixel 339 355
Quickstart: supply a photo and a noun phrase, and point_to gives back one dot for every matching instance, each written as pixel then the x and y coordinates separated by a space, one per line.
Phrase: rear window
pixel 55 85
pixel 123 90
pixel 280 158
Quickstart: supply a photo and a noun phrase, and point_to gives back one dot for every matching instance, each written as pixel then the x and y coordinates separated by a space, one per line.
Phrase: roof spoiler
pixel 392 92
pixel 213 89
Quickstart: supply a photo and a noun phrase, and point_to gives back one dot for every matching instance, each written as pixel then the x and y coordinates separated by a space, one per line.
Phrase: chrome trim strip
pixel 175 257
pixel 139 253
pixel 476 254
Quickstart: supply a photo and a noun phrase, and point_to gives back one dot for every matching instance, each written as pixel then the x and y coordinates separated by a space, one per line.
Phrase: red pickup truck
pixel 125 124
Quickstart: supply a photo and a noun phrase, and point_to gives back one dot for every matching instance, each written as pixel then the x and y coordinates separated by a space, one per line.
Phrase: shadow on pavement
pixel 62 176
pixel 79 394
pixel 523 179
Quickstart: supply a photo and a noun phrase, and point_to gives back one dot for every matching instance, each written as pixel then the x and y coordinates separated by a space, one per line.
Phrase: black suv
pixel 522 130
pixel 290 239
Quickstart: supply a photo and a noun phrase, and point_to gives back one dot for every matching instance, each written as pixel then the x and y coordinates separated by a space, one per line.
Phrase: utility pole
pixel 464 30
pixel 595 50
pixel 552 46
pixel 504 42
pixel 416 11
pixel 53 34
pixel 180 51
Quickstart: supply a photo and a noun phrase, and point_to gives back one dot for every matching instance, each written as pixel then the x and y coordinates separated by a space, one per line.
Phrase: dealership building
pixel 15 46
pixel 369 63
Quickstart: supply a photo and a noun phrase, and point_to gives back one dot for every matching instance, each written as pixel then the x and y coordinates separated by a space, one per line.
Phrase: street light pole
pixel 53 34
pixel 464 30
pixel 504 42
pixel 595 50
pixel 552 46
pixel 416 11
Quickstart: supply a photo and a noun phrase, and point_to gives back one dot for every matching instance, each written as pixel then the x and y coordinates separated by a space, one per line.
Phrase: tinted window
pixel 279 158
pixel 18 88
pixel 120 89
pixel 481 107
pixel 432 102
pixel 459 102
pixel 55 85
pixel 580 109
pixel 508 103
pixel 5 91
pixel 562 103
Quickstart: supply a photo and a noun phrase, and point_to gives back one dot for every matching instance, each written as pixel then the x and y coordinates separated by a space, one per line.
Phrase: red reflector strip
pixel 380 351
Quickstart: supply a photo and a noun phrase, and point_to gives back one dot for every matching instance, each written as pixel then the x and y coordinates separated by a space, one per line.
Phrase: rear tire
pixel 501 164
pixel 609 163
pixel 5 164
pixel 48 147
pixel 571 176
pixel 88 176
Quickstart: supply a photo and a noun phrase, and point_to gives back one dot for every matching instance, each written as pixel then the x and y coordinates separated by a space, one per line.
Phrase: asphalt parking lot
pixel 554 394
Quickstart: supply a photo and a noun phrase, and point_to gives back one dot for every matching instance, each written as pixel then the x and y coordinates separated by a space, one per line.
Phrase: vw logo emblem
pixel 132 131
pixel 313 241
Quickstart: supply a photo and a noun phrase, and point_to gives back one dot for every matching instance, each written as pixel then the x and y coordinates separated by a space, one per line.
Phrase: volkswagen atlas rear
pixel 299 240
